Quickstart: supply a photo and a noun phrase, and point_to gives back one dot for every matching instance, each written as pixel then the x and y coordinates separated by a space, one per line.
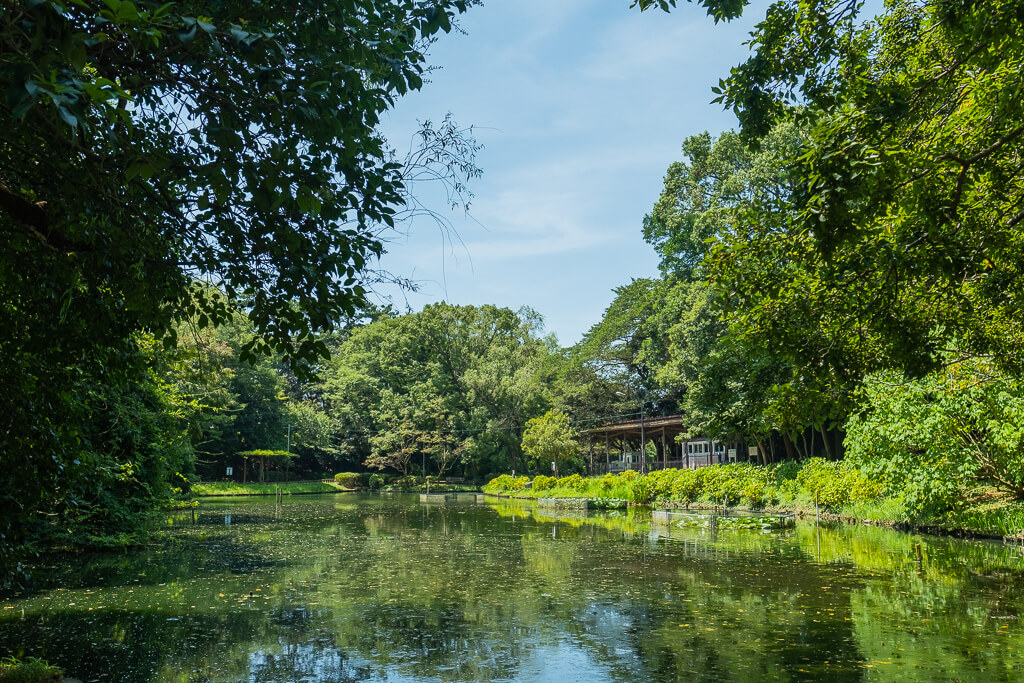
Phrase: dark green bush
pixel 349 480
pixel 407 483
pixel 376 481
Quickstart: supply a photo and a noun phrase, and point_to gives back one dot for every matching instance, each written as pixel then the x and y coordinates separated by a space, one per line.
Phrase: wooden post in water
pixel 817 527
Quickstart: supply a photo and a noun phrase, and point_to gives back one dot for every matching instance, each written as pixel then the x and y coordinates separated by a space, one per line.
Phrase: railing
pixel 693 462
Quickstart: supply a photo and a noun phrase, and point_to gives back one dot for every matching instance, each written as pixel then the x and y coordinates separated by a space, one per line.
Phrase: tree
pixel 699 199
pixel 550 439
pixel 154 145
pixel 612 349
pixel 264 458
pixel 406 385
pixel 148 149
pixel 938 439
pixel 907 202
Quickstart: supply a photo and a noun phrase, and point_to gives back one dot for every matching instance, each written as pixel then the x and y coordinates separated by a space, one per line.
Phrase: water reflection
pixel 386 588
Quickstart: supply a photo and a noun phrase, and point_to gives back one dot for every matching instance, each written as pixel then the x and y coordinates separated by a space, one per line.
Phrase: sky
pixel 580 105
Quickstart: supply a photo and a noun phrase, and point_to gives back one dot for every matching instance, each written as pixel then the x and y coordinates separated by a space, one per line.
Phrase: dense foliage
pixel 450 387
pixel 192 195
pixel 550 438
pixel 943 438
pixel 148 149
pixel 854 250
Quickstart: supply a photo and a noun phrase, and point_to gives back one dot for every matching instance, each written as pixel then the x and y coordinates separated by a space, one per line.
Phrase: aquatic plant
pixel 32 670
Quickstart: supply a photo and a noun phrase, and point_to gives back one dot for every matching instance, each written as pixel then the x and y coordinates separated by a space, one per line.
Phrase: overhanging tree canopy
pixel 149 150
pixel 146 146
pixel 908 198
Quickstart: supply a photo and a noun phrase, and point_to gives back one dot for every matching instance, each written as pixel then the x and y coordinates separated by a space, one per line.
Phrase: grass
pixel 1000 518
pixel 886 511
pixel 230 488
pixel 31 670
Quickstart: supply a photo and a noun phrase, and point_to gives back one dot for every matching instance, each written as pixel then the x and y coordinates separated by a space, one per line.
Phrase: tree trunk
pixel 787 441
pixel 824 440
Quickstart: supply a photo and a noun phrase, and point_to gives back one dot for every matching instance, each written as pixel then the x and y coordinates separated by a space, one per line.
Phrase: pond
pixel 355 587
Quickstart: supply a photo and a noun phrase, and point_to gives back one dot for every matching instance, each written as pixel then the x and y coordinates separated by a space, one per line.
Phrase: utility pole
pixel 643 436
pixel 643 440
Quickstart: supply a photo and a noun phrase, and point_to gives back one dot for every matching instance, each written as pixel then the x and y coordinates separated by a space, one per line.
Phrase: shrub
pixel 786 470
pixel 933 439
pixel 408 482
pixel 718 484
pixel 349 480
pixel 628 475
pixel 686 485
pixel 834 484
pixel 574 482
pixel 543 483
pixel 376 481
pixel 660 483
pixel 506 484
pixel 641 491
pixel 757 494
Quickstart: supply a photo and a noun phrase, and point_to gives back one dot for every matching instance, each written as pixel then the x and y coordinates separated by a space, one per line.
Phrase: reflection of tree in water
pixel 420 640
pixel 687 615
pixel 316 661
pixel 133 646
pixel 457 592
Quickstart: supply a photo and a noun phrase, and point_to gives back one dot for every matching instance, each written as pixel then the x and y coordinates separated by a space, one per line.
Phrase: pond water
pixel 355 587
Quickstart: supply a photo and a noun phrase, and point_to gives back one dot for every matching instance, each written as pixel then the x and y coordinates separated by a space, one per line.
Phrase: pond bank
pixel 802 512
pixel 233 490
pixel 293 488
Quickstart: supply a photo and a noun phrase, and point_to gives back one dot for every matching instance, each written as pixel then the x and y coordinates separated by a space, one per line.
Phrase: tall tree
pixel 150 148
pixel 475 373
pixel 908 199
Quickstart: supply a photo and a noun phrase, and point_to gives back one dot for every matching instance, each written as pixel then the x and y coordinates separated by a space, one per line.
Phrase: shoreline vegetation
pixel 834 490
pixel 347 484
pixel 219 489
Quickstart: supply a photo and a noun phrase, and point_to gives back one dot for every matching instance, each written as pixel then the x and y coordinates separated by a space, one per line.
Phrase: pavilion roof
pixel 670 424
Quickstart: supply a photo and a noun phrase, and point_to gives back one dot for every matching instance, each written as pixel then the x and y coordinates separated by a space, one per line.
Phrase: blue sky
pixel 581 106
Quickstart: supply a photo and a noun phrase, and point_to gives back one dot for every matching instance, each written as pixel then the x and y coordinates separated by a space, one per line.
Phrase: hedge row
pixel 831 484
